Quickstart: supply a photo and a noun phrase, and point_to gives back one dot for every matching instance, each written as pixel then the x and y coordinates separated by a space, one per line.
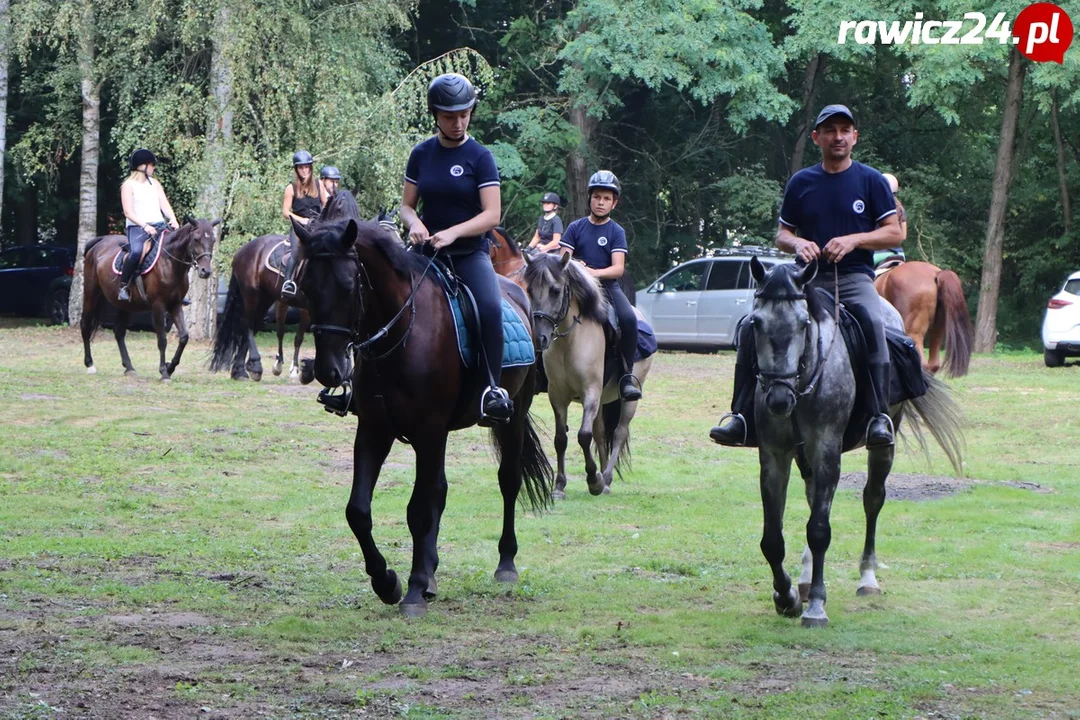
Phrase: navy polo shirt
pixel 448 181
pixel 822 205
pixel 595 244
pixel 547 228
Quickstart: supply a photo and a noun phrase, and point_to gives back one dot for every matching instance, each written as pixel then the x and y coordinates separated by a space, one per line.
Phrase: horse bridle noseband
pixel 191 253
pixel 556 321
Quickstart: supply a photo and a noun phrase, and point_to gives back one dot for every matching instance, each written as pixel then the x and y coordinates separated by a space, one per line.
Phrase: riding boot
pixel 739 430
pixel 131 265
pixel 880 429
pixel 288 288
pixel 629 385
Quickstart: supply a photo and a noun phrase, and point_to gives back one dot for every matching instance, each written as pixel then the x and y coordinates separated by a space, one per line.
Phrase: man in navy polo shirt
pixel 599 243
pixel 838 213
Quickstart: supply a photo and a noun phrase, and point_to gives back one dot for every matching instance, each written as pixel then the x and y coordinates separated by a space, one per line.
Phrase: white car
pixel 1061 326
pixel 699 304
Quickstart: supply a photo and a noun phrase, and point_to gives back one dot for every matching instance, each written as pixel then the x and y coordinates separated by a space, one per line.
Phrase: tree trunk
pixel 986 318
pixel 577 168
pixel 91 152
pixel 1063 185
pixel 813 73
pixel 211 202
pixel 5 32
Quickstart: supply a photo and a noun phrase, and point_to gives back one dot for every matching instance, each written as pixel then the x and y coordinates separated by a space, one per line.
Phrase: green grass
pixel 171 547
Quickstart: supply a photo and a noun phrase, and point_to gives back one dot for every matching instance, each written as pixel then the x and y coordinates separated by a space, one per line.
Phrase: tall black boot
pixel 739 429
pixel 288 288
pixel 131 266
pixel 880 429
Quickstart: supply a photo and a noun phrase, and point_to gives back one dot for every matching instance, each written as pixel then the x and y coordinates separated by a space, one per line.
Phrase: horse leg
pixel 120 333
pixel 253 367
pixel 370 449
pixel 511 441
pixel 826 474
pixel 619 440
pixel 591 406
pixel 934 340
pixel 806 572
pixel 86 324
pixel 157 316
pixel 182 333
pixel 294 369
pixel 775 469
pixel 560 408
pixel 431 543
pixel 430 457
pixel 279 361
pixel 879 464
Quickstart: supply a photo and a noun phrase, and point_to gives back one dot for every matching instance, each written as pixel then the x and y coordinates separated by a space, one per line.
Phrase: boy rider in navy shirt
pixel 600 244
pixel 838 213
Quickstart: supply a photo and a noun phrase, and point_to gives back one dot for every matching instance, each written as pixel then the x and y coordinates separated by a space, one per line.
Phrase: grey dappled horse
pixel 569 314
pixel 804 401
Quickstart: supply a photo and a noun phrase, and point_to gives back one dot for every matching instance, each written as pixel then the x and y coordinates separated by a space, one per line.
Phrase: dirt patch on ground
pixel 913 486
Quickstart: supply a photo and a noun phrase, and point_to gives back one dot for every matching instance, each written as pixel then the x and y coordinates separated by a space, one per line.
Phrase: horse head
pixel 781 322
pixel 553 284
pixel 329 282
pixel 196 240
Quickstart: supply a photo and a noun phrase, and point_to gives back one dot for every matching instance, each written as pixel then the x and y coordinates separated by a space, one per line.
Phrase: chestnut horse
pixel 932 304
pixel 162 289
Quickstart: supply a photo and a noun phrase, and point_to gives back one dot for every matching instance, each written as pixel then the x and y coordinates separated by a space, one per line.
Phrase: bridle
pixel 193 259
pixel 557 320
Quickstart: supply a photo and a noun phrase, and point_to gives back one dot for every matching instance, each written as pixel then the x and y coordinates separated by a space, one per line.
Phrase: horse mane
pixel 510 241
pixel 584 288
pixel 341 206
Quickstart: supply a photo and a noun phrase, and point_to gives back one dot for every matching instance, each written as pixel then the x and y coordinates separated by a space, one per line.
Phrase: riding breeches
pixel 476 271
pixel 627 318
pixel 861 299
pixel 136 238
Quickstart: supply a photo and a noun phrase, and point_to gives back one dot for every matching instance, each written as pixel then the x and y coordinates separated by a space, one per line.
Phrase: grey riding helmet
pixel 550 197
pixel 604 180
pixel 302 157
pixel 451 93
pixel 329 172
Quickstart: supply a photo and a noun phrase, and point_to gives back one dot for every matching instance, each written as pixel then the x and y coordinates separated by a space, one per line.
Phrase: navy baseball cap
pixel 830 110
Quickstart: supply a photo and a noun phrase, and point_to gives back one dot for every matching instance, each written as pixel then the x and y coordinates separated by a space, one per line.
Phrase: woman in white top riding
pixel 146 209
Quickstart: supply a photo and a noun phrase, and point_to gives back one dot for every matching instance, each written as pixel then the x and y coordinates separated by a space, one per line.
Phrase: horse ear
pixel 525 256
pixel 807 273
pixel 215 222
pixel 188 220
pixel 565 259
pixel 757 269
pixel 301 231
pixel 351 231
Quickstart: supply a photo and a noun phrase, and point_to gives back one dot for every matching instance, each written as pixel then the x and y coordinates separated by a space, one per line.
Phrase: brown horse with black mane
pixel 162 289
pixel 932 304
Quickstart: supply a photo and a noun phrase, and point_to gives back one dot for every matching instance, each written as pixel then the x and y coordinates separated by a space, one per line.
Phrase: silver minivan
pixel 698 304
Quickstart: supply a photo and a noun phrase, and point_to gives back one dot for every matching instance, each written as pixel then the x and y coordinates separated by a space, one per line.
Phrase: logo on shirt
pixel 858 206
pixel 602 241
pixel 457 171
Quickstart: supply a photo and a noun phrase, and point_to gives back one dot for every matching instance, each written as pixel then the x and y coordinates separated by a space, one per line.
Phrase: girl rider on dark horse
pixel 146 208
pixel 303 201
pixel 456 181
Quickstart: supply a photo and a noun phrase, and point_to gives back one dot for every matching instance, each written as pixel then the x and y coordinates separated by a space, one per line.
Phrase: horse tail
pixel 959 332
pixel 538 478
pixel 612 413
pixel 232 329
pixel 942 416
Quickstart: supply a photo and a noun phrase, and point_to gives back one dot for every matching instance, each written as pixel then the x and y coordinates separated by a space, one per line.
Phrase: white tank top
pixel 145 204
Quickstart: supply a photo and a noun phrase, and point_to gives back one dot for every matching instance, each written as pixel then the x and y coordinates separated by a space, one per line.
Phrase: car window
pixel 40 257
pixel 684 279
pixel 724 275
pixel 11 259
pixel 746 278
pixel 1073 287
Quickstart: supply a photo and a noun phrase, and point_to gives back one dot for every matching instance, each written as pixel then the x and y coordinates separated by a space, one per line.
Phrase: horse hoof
pixel 606 490
pixel 130 373
pixel 432 589
pixel 868 590
pixel 413 610
pixel 91 370
pixel 166 379
pixel 809 621
pixel 558 494
pixel 242 376
pixel 396 594
pixel 276 369
pixel 256 376
pixel 791 609
pixel 804 592
pixel 506 576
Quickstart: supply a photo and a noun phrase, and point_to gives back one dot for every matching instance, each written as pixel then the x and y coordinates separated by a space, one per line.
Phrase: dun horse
pixel 804 406
pixel 162 288
pixel 383 326
pixel 932 304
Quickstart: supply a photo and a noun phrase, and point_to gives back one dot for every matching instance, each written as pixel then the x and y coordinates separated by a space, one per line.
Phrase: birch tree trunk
pixel 5 31
pixel 1063 184
pixel 91 155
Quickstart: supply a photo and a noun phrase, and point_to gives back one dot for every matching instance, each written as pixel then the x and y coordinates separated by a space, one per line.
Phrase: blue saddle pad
pixel 517 340
pixel 646 340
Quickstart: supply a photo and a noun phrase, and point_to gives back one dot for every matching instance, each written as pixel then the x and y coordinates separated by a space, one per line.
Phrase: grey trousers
pixel 861 300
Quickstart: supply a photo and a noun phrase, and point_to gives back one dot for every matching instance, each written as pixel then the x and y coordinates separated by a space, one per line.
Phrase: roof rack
pixel 747 250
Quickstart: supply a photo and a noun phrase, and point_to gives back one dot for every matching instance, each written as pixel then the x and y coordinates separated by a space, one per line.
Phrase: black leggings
pixel 624 311
pixel 476 271
pixel 136 238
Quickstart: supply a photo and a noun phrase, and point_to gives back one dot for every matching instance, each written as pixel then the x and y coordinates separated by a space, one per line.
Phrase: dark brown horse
pixel 162 289
pixel 932 304
pixel 382 325
pixel 506 258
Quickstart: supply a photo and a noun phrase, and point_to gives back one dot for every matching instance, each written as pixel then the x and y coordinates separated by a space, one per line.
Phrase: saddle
pixel 906 381
pixel 151 252
pixel 278 259
pixel 888 263
pixel 646 343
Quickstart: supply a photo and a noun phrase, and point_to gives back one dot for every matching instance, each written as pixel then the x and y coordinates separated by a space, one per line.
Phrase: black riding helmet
pixel 302 157
pixel 604 179
pixel 550 197
pixel 142 156
pixel 329 172
pixel 450 93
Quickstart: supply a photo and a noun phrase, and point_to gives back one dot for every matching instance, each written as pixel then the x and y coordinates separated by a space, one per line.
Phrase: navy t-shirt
pixel 822 205
pixel 595 244
pixel 547 228
pixel 448 181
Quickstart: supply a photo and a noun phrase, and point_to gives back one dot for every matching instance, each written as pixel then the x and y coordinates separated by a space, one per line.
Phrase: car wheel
pixel 57 308
pixel 1053 358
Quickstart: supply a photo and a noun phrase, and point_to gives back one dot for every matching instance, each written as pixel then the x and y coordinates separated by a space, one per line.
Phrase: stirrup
pixel 503 399
pixel 892 431
pixel 124 294
pixel 289 288
pixel 635 384
pixel 745 427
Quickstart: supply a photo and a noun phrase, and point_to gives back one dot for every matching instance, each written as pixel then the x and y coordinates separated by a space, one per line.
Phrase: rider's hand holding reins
pixel 835 250
pixel 418 233
pixel 808 250
pixel 443 238
pixel 150 230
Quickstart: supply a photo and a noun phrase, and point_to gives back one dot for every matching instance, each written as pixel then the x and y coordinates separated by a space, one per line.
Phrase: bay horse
pixel 570 312
pixel 508 259
pixel 162 289
pixel 804 403
pixel 932 304
pixel 253 288
pixel 383 326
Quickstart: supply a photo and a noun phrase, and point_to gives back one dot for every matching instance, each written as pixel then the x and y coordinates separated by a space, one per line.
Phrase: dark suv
pixel 35 279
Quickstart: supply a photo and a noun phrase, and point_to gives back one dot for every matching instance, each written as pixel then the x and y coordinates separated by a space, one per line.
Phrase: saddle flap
pixel 151 252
